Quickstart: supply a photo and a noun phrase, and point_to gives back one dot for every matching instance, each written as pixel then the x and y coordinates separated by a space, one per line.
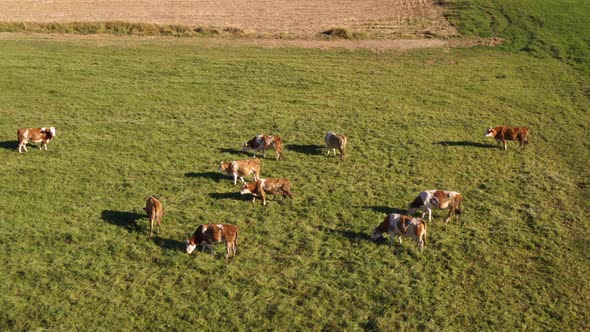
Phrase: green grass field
pixel 139 117
pixel 560 29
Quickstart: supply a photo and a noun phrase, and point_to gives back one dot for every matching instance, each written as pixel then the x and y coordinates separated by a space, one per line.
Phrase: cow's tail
pixel 343 146
pixel 459 205
pixel 279 148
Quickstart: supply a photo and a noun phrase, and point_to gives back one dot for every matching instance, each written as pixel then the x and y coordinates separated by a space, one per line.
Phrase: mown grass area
pixel 559 29
pixel 138 118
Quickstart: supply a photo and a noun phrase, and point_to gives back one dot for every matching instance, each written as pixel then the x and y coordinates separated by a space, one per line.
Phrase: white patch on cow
pixel 52 131
pixel 190 247
pixel 489 132
pixel 204 229
pixel 220 226
pixel 245 191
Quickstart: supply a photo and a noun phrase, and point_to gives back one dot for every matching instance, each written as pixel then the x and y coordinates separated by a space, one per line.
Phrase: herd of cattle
pixel 396 225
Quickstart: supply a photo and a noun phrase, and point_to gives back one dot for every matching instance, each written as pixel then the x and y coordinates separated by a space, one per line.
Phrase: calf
pixel 507 133
pixel 241 168
pixel 36 135
pixel 336 141
pixel 267 186
pixel 440 199
pixel 264 142
pixel 401 225
pixel 154 210
pixel 208 235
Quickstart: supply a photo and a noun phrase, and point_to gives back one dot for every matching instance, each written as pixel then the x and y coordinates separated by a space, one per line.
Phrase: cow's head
pixel 248 188
pixel 489 132
pixel 190 246
pixel 223 166
pixel 376 234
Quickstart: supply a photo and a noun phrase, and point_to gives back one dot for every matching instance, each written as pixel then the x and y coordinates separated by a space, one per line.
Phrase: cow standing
pixel 267 186
pixel 401 225
pixel 440 199
pixel 208 235
pixel 336 141
pixel 507 133
pixel 36 135
pixel 241 168
pixel 264 142
pixel 155 212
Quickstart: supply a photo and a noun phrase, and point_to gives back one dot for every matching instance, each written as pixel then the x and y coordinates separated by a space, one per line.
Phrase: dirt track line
pixel 398 44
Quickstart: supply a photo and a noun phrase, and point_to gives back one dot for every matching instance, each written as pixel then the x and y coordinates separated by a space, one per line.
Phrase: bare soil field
pixel 388 19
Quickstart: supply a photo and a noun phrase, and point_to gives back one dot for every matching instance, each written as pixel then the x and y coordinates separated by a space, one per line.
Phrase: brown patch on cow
pixel 440 197
pixel 403 223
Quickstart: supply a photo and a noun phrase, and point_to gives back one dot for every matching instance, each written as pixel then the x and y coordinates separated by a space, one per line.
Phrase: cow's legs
pixel 235 179
pixel 400 239
pixel 429 214
pixel 151 225
pixel 242 178
pixel 505 146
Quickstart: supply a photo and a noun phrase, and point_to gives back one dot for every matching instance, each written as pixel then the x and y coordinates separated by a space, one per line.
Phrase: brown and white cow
pixel 264 142
pixel 36 135
pixel 208 235
pixel 155 212
pixel 507 133
pixel 401 225
pixel 241 168
pixel 336 141
pixel 440 199
pixel 267 186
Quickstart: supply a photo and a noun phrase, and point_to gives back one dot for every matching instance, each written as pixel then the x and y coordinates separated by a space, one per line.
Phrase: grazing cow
pixel 241 168
pixel 264 142
pixel 440 199
pixel 507 133
pixel 401 225
pixel 336 141
pixel 36 135
pixel 267 186
pixel 210 234
pixel 155 212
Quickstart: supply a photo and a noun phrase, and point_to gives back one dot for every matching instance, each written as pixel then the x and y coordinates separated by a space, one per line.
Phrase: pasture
pixel 139 117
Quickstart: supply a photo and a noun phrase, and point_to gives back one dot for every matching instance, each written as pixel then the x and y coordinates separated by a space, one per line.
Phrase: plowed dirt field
pixel 300 18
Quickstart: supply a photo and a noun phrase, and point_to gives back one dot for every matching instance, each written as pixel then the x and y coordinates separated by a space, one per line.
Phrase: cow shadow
pixel 215 176
pixel 124 219
pixel 9 145
pixel 238 152
pixel 350 235
pixel 169 244
pixel 230 195
pixel 385 209
pixel 312 149
pixel 464 143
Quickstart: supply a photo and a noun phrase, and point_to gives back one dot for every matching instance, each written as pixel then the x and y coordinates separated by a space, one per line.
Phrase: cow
pixel 241 168
pixel 507 133
pixel 36 135
pixel 264 142
pixel 336 141
pixel 440 199
pixel 208 235
pixel 155 212
pixel 267 186
pixel 401 225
